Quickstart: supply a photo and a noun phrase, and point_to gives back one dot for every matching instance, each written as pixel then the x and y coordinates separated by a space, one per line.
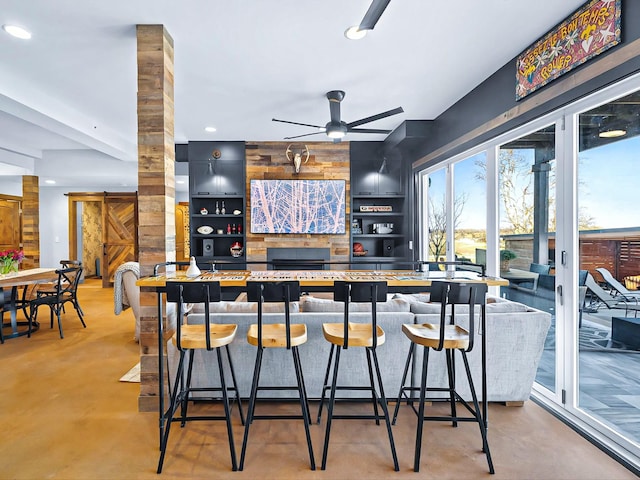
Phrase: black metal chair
pixel 191 337
pixel 448 336
pixel 65 291
pixel 349 335
pixel 276 335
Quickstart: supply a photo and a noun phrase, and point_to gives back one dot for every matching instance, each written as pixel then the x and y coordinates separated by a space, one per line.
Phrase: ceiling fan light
pixel 355 33
pixel 612 133
pixel 17 31
pixel 335 133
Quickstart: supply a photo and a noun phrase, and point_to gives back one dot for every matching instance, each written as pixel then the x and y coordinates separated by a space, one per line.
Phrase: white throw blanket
pixel 120 300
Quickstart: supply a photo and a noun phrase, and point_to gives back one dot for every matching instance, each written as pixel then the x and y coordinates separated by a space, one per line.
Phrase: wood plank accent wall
pixel 267 161
pixel 30 221
pixel 156 188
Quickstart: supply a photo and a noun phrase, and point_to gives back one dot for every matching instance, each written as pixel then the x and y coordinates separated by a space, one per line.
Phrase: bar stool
pixel 276 335
pixel 189 338
pixel 348 334
pixel 448 337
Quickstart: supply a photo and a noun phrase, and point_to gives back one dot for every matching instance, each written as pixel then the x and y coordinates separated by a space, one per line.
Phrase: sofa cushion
pixel 413 297
pixel 494 306
pixel 309 303
pixel 244 307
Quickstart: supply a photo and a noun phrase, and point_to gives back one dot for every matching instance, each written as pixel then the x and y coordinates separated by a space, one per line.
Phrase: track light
pixel 383 167
pixel 210 170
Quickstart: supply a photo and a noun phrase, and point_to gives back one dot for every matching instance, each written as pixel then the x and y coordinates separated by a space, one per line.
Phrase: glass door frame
pixel 564 401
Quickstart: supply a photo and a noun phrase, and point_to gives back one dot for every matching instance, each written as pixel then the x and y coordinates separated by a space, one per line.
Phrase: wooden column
pixel 30 221
pixel 156 188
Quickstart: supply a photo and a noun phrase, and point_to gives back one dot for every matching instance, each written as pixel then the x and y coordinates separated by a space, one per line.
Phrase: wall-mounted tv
pixel 298 206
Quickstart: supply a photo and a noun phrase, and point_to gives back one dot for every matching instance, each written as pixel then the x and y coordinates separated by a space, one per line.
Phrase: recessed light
pixel 210 129
pixel 16 31
pixel 354 33
pixel 618 132
pixel 180 181
pixel 50 182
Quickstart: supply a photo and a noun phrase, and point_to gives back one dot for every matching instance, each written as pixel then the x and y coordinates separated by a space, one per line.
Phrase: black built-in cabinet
pixel 378 199
pixel 217 200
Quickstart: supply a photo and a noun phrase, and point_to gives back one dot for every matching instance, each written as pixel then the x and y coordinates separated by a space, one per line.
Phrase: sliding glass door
pixel 559 210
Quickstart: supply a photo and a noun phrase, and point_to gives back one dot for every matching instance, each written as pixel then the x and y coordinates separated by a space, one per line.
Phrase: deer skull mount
pixel 297 157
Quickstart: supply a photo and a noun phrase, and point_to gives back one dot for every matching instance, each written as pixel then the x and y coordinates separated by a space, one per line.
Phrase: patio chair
pixel 618 288
pixel 600 297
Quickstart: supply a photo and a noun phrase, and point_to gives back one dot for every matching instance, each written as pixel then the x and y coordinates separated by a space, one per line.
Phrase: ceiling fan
pixel 337 128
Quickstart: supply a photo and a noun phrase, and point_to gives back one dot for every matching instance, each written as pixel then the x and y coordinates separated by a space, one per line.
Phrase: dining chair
pixel 65 291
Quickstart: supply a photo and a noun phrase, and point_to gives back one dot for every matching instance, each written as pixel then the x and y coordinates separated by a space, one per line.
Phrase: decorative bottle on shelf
pixel 217 209
pixel 223 210
pixel 193 270
pixel 228 229
pixel 233 228
pixel 239 229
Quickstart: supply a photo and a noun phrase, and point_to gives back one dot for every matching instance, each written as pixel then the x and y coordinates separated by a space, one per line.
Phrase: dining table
pixel 13 281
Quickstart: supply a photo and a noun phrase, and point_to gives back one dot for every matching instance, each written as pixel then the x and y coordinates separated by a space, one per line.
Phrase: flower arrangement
pixel 9 260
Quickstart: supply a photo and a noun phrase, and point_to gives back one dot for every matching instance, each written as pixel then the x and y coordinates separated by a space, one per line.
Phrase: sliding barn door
pixel 120 232
pixel 9 224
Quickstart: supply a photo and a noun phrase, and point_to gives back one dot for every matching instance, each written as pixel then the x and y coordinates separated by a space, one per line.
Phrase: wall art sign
pixel 589 31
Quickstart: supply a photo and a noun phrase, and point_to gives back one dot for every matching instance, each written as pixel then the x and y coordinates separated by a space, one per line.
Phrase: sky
pixel 609 179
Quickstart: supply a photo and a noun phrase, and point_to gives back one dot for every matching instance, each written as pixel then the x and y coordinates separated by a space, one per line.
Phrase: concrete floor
pixel 65 415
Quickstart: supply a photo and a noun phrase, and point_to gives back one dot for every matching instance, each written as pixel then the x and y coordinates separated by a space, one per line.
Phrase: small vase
pixel 193 270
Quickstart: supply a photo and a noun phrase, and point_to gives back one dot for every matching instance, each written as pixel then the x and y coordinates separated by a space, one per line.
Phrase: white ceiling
pixel 68 95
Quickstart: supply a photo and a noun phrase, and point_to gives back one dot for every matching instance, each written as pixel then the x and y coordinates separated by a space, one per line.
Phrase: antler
pixel 288 152
pixel 306 151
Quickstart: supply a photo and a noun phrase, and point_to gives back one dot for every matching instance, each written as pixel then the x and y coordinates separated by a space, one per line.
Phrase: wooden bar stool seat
pixel 275 335
pixel 359 334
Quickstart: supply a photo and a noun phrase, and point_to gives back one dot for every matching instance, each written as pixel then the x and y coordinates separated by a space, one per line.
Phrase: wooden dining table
pixel 14 280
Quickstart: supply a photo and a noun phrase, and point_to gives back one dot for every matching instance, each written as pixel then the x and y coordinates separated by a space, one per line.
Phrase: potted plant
pixel 505 257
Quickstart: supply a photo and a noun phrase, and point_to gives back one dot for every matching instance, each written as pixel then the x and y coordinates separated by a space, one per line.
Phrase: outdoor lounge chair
pixel 600 297
pixel 618 289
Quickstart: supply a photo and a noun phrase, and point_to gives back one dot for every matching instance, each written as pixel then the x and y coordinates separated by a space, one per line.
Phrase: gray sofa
pixel 515 339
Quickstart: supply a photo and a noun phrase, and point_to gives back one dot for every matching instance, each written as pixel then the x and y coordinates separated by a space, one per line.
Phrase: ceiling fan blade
pixel 297 123
pixel 303 135
pixel 368 130
pixel 373 14
pixel 373 118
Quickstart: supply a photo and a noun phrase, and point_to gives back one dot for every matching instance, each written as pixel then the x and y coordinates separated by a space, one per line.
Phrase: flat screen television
pixel 298 206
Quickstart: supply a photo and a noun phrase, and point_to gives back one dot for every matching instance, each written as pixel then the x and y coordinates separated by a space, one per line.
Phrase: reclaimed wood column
pixel 30 221
pixel 156 189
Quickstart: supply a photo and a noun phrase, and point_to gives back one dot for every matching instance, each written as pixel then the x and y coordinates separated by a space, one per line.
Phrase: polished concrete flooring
pixel 65 415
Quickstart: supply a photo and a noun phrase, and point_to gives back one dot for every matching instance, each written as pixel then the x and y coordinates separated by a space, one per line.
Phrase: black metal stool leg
pixel 227 412
pixel 303 404
pixel 402 382
pixel 252 405
pixel 478 414
pixel 332 400
pixel 374 400
pixel 325 384
pixel 235 384
pixel 452 386
pixel 173 405
pixel 298 366
pixel 184 405
pixel 385 409
pixel 423 388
